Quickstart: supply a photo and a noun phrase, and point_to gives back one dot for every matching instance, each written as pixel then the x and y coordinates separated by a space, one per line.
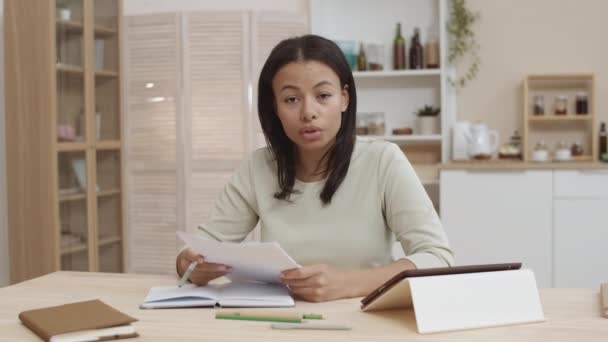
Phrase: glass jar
pixel 576 149
pixel 540 152
pixel 561 105
pixel 516 141
pixel 375 56
pixel 562 152
pixel 539 105
pixel 582 103
pixel 361 126
pixel 375 123
pixel 540 146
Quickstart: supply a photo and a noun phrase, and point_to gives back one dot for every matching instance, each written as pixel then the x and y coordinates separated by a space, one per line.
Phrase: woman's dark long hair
pixel 307 48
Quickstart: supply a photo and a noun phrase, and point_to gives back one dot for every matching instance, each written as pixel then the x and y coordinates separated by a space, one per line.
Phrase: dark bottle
pixel 398 50
pixel 416 57
pixel 582 106
pixel 603 143
pixel 361 60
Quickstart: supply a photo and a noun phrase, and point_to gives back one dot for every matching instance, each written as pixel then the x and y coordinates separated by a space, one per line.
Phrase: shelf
pixel 396 73
pixel 81 147
pixel 80 196
pixel 106 73
pixel 569 117
pixel 70 26
pixel 108 193
pixel 552 77
pixel 108 240
pixel 71 147
pixel 73 197
pixel 77 27
pixel 81 247
pixel 580 163
pixel 69 69
pixel 108 145
pixel 582 158
pixel 103 31
pixel 435 138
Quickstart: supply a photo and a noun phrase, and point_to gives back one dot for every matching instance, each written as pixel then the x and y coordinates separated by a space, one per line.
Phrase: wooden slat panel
pixel 269 28
pixel 152 59
pixel 152 222
pixel 216 79
pixel 151 65
pixel 215 58
pixel 206 187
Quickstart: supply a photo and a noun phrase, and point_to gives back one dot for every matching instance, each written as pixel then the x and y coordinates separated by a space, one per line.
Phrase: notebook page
pixel 248 294
pixel 94 334
pixel 185 296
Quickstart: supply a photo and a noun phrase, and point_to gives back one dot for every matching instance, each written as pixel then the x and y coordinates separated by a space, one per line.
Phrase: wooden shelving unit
pixel 66 102
pixel 102 31
pixel 396 73
pixel 70 69
pixel 413 138
pixel 396 94
pixel 80 196
pixel 82 247
pixel 554 118
pixel 552 128
pixel 70 26
pixel 106 73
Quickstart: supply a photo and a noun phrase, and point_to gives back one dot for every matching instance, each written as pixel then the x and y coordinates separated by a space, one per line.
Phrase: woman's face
pixel 309 102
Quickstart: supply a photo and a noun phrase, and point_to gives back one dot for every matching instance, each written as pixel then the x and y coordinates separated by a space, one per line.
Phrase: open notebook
pixel 237 294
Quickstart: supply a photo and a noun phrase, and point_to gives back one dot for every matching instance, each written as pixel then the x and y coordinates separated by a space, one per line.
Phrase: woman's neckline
pixel 307 183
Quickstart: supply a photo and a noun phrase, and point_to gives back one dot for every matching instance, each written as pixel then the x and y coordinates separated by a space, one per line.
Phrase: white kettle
pixel 482 142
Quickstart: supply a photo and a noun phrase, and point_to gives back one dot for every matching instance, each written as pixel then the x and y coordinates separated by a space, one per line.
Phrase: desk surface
pixel 572 315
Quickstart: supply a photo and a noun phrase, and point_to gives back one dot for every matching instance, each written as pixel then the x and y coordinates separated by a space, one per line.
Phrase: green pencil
pixel 239 317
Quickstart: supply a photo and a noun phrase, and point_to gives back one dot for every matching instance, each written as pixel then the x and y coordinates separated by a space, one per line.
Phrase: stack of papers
pixel 258 261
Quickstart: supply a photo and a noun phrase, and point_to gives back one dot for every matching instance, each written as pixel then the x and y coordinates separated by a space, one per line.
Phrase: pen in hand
pixel 187 273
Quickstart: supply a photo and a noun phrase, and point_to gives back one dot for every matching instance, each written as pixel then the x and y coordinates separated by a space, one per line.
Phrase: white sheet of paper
pixel 260 261
pixel 94 334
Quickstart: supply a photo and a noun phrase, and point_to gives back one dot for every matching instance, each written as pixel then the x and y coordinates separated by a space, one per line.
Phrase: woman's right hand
pixel 204 271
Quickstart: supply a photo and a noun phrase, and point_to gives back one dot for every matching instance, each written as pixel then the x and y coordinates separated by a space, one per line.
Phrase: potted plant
pixel 428 120
pixel 463 49
pixel 63 10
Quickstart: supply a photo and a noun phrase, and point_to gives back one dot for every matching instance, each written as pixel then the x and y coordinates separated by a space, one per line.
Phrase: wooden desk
pixel 572 315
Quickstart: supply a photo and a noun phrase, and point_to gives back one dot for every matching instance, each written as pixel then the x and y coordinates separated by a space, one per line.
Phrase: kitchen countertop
pixel 499 165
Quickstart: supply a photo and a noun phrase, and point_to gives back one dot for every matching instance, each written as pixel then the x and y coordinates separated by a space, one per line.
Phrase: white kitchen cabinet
pixel 499 216
pixel 580 228
pixel 592 183
pixel 581 234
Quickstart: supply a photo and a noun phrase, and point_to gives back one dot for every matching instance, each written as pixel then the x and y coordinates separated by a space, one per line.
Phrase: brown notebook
pixel 88 319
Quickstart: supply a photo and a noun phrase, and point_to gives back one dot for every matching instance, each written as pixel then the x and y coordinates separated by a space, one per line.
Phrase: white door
pixel 505 216
pixel 581 234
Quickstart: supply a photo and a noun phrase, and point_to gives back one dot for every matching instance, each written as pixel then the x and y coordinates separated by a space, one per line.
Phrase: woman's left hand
pixel 317 283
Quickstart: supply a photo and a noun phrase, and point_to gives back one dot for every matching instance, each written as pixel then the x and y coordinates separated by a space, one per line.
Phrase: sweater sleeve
pixel 410 213
pixel 234 214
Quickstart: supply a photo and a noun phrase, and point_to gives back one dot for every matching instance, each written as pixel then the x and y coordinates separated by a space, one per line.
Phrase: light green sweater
pixel 380 198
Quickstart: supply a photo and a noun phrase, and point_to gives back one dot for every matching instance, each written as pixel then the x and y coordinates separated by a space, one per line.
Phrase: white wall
pixel 4 263
pixel 520 37
pixel 137 7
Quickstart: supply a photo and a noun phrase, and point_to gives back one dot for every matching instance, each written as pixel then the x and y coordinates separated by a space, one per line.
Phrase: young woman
pixel 333 201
